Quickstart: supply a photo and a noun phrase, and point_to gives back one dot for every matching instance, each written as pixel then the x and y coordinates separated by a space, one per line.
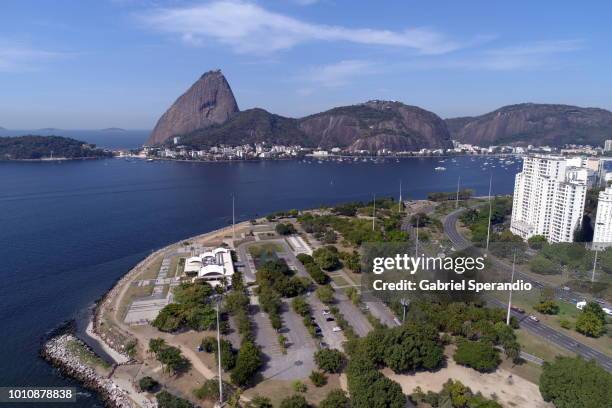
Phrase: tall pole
pixel 399 204
pixel 233 219
pixel 374 213
pixel 416 247
pixel 490 210
pixel 510 293
pixel 219 356
pixel 594 266
pixel 457 199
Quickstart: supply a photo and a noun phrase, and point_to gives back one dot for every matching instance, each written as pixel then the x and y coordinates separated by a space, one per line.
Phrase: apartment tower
pixel 549 195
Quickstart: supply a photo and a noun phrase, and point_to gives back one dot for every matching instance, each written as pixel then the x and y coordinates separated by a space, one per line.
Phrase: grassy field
pixel 277 390
pixel 264 252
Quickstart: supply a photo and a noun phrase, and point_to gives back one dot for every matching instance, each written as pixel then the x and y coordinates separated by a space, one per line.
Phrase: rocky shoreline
pixel 57 352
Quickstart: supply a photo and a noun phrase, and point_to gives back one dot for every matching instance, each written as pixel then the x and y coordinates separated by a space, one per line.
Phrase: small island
pixel 34 147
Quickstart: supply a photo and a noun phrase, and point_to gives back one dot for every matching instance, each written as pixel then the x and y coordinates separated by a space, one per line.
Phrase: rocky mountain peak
pixel 209 101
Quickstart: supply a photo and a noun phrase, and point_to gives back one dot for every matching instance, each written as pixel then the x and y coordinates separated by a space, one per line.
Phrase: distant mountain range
pixel 537 124
pixel 207 114
pixel 112 129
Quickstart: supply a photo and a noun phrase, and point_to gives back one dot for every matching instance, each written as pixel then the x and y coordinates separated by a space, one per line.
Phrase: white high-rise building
pixel 603 221
pixel 608 145
pixel 549 197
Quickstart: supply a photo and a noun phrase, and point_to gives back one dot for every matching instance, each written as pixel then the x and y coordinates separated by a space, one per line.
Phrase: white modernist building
pixel 603 221
pixel 549 197
pixel 214 266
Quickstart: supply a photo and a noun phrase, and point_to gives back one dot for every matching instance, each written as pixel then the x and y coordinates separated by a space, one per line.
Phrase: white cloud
pixel 536 55
pixel 19 58
pixel 249 28
pixel 306 2
pixel 339 73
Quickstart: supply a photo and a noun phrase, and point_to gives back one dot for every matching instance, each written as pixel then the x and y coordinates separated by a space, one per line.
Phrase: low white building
pixel 215 266
pixel 602 237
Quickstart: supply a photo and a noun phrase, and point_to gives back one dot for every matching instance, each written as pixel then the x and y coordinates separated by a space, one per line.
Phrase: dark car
pixel 329 319
pixel 518 309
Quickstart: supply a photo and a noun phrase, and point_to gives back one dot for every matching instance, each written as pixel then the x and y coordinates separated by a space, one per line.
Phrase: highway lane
pixel 537 328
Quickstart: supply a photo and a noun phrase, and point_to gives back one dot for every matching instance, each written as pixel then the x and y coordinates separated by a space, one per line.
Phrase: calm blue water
pixel 69 230
pixel 128 139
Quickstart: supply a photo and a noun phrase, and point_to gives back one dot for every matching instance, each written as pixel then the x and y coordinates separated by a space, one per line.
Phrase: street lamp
pixel 217 300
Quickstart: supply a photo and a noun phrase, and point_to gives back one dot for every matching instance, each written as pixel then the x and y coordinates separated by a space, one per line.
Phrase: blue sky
pixel 95 64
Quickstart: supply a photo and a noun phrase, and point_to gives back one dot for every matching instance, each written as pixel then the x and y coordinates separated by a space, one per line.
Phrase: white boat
pixel 440 168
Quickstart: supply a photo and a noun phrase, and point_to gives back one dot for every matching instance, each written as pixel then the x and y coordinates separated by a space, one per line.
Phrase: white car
pixel 535 319
pixel 607 311
pixel 336 329
pixel 326 312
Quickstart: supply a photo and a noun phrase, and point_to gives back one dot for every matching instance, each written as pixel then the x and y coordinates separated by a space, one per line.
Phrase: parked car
pixel 324 345
pixel 535 319
pixel 336 329
pixel 329 319
pixel 326 312
pixel 517 309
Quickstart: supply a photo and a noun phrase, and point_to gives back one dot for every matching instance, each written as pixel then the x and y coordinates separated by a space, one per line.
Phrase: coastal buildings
pixel 214 266
pixel 608 145
pixel 549 196
pixel 603 222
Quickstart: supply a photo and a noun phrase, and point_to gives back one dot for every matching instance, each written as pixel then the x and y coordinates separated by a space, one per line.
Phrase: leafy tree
pixel 547 307
pixel 318 378
pixel 172 359
pixel 480 355
pixel 335 399
pixel 259 402
pixel 299 386
pixel 147 384
pixel 167 400
pixel 248 363
pixel 330 360
pixel 573 382
pixel 285 229
pixel 192 309
pixel 325 294
pixel 593 307
pixel 300 306
pixel 330 237
pixel 156 344
pixel 537 242
pixel 405 348
pixel 326 258
pixel 589 324
pixel 313 269
pixel 369 388
pixel 295 401
pixel 236 300
pixel 544 266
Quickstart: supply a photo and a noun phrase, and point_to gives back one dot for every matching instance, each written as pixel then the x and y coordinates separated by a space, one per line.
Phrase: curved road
pixel 537 328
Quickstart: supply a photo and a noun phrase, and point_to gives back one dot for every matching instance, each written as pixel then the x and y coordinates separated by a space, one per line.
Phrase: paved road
pixel 537 328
